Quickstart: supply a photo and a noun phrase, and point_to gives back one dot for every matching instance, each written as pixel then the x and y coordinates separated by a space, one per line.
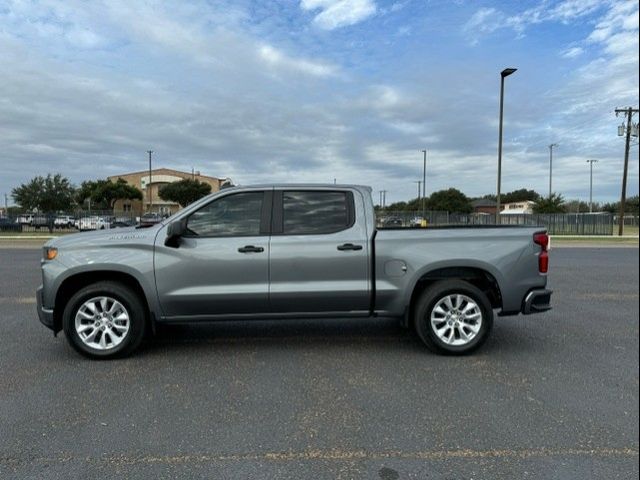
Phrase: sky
pixel 317 90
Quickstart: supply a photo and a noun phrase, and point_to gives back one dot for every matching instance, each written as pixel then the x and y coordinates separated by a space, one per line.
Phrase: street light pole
pixel 424 183
pixel 551 166
pixel 505 73
pixel 591 162
pixel 149 184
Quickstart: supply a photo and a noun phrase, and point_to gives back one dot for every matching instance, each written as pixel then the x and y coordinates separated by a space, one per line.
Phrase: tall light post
pixel 419 182
pixel 505 73
pixel 591 162
pixel 424 183
pixel 149 184
pixel 551 167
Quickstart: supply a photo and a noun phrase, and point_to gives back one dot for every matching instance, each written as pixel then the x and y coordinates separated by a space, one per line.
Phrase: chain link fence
pixel 69 222
pixel 555 223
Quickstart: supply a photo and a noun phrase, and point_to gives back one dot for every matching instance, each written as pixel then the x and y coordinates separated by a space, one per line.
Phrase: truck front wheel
pixel 453 317
pixel 105 320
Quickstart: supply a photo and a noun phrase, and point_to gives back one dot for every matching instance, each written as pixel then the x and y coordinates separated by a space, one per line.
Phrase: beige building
pixel 518 208
pixel 150 186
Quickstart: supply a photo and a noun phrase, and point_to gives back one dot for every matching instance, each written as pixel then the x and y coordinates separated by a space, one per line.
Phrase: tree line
pixel 454 201
pixel 55 193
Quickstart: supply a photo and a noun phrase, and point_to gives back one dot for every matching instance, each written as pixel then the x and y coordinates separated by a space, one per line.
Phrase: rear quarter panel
pixel 508 254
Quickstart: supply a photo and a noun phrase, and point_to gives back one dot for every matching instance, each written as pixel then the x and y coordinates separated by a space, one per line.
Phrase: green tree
pixel 450 200
pixel 397 207
pixel 579 206
pixel 185 191
pixel 105 193
pixel 45 194
pixel 520 195
pixel 553 204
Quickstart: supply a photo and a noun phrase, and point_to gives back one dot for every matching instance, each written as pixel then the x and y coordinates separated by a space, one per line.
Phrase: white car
pixel 63 221
pixel 93 223
pixel 25 219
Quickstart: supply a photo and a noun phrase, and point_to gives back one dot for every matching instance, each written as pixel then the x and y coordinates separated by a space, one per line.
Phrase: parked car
pixel 64 221
pixel 289 251
pixel 149 219
pixel 25 219
pixel 392 222
pixel 41 221
pixel 9 225
pixel 93 223
pixel 123 222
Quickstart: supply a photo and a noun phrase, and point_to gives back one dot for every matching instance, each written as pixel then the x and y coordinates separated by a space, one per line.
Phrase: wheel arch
pixel 75 282
pixel 477 276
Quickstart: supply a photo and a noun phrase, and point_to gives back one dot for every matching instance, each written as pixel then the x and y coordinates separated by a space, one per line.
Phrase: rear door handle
pixel 349 246
pixel 250 249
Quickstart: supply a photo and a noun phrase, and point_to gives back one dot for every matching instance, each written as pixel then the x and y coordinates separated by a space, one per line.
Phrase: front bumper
pixel 44 314
pixel 537 301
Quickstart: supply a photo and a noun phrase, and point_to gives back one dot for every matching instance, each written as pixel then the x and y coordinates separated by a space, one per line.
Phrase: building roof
pixel 483 202
pixel 525 202
pixel 163 169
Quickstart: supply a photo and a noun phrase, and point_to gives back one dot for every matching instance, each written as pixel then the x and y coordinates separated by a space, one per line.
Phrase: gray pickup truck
pixel 289 251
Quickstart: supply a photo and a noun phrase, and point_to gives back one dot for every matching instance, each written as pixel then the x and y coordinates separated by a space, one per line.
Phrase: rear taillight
pixel 542 239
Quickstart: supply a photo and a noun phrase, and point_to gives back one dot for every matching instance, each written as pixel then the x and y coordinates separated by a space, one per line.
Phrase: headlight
pixel 49 253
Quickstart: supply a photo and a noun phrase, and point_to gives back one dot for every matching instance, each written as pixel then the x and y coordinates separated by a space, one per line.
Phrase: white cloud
pixel 339 13
pixel 488 20
pixel 277 59
pixel 572 52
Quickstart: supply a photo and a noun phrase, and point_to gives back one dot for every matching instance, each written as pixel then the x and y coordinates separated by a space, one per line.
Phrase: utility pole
pixel 623 198
pixel 424 182
pixel 551 167
pixel 591 162
pixel 380 201
pixel 419 182
pixel 384 198
pixel 6 204
pixel 149 184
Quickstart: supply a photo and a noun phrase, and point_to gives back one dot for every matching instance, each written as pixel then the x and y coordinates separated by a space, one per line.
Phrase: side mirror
pixel 174 231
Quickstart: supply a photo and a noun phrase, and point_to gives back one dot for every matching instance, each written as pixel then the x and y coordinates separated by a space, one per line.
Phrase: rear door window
pixel 316 212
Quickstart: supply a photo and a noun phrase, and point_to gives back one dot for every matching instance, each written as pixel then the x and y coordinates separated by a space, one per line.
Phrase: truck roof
pixel 303 185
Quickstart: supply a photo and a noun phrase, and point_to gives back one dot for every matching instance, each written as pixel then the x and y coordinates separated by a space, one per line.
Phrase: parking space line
pixel 18 300
pixel 336 455
pixel 609 296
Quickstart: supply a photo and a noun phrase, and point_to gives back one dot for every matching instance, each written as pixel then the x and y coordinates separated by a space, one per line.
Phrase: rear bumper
pixel 537 301
pixel 44 314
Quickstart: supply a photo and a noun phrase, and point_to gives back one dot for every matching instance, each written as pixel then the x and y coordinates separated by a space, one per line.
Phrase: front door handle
pixel 349 246
pixel 250 249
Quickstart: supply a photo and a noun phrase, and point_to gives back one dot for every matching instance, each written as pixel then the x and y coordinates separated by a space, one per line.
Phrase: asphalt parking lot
pixel 549 396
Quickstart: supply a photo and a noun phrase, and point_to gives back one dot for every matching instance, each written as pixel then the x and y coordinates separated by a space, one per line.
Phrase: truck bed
pixel 506 252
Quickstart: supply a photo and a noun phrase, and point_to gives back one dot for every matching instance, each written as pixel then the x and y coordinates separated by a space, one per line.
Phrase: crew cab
pixel 289 251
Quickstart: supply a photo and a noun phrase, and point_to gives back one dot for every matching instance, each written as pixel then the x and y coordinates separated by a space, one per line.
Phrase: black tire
pixel 428 301
pixel 129 299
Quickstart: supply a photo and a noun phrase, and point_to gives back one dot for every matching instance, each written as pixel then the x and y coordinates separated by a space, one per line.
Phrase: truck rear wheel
pixel 105 320
pixel 453 317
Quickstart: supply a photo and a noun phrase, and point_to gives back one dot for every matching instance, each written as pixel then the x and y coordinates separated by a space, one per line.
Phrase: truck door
pixel 319 253
pixel 221 265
